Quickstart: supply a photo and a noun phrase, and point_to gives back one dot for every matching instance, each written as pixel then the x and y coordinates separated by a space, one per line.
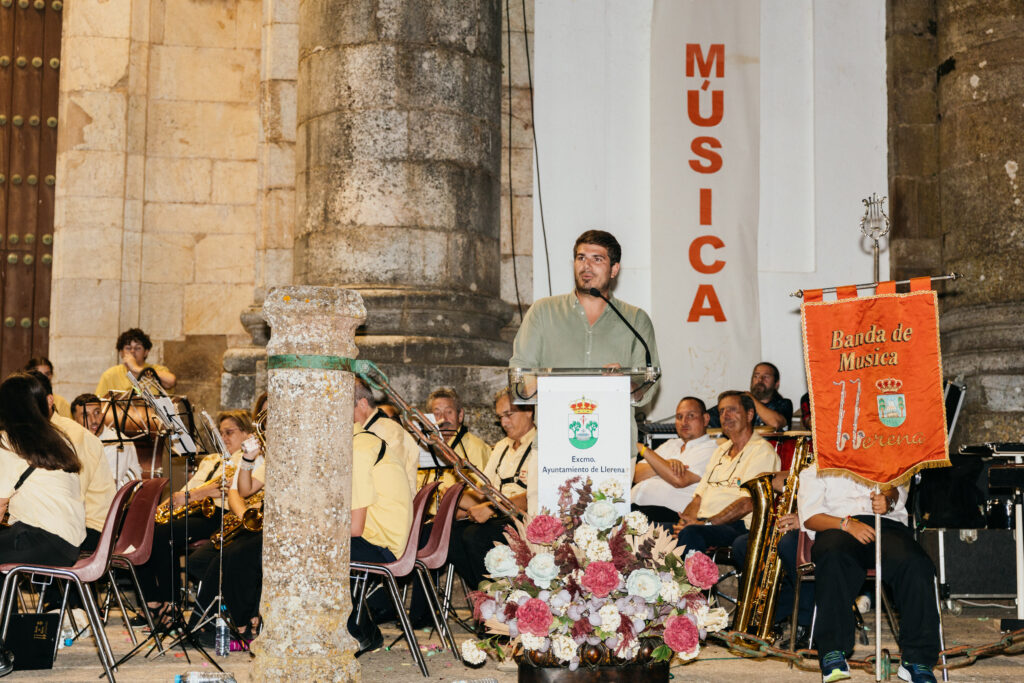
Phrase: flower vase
pixel 597 665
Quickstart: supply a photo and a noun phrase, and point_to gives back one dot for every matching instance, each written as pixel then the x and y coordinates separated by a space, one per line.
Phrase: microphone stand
pixel 173 430
pixel 651 374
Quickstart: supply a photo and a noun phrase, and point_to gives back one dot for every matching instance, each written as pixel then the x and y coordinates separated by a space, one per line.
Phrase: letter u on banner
pixel 874 373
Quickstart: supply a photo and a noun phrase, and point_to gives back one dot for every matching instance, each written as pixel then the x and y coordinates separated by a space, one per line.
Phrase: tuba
pixel 759 590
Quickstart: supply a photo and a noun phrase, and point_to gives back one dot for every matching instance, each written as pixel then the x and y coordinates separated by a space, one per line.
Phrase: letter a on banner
pixel 874 372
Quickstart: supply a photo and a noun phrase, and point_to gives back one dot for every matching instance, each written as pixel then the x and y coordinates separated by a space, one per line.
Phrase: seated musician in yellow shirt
pixel 381 517
pixel 133 347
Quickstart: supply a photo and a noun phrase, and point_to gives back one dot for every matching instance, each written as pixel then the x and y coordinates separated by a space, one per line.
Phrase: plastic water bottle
pixel 204 677
pixel 222 641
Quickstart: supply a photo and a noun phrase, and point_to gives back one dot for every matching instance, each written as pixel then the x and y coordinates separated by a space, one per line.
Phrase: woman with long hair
pixel 39 483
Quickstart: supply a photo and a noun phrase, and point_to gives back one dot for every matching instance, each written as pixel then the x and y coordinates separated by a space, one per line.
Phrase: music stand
pixel 178 438
pixel 207 615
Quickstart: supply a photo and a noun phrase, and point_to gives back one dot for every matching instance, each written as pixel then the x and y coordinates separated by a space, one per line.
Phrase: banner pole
pixel 878 594
pixel 871 285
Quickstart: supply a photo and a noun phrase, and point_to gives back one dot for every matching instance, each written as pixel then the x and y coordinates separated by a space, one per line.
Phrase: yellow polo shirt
pixel 472 448
pixel 400 443
pixel 96 479
pixel 116 378
pixel 382 489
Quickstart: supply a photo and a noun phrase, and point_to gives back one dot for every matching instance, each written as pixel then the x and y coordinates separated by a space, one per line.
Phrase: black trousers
pixel 364 551
pixel 470 542
pixel 155 575
pixel 92 539
pixel 666 517
pixel 243 576
pixel 841 563
pixel 701 537
pixel 26 544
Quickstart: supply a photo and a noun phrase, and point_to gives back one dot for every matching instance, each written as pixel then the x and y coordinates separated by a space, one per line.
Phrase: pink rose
pixel 534 617
pixel 701 570
pixel 600 578
pixel 544 529
pixel 681 634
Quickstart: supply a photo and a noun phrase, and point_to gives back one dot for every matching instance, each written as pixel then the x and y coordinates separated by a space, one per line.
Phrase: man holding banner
pixel 838 514
pixel 875 377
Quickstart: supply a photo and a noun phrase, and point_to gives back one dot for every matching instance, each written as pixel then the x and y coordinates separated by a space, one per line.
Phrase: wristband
pixel 247 465
pixel 844 523
pixel 248 460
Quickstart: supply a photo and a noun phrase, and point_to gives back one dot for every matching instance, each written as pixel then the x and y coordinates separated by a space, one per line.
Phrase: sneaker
pixel 915 673
pixel 834 667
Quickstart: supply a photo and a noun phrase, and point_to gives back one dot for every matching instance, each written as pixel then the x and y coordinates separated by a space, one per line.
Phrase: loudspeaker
pixel 983 566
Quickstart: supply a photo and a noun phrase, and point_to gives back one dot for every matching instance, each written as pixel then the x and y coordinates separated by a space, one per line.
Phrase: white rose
pixel 610 618
pixel 638 522
pixel 611 488
pixel 584 535
pixel 687 656
pixel 714 620
pixel 532 642
pixel 598 551
pixel 643 583
pixel 472 653
pixel 542 569
pixel 670 592
pixel 601 514
pixel 517 596
pixel 563 647
pixel 500 561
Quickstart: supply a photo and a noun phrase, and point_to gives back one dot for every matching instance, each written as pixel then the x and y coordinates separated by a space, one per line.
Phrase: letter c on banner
pixel 695 258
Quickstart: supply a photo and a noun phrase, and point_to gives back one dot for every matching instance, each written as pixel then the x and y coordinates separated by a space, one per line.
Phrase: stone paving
pixel 80 662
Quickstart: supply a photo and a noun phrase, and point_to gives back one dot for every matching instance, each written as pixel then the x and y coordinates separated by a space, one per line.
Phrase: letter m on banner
pixel 874 372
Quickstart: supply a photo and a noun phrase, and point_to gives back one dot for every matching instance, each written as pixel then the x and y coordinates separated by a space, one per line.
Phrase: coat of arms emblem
pixel 892 406
pixel 583 423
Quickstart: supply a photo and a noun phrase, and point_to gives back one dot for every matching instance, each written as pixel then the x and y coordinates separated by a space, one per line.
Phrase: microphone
pixel 594 291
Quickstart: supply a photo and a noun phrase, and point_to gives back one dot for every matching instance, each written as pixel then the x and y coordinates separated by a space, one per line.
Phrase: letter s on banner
pixel 702 147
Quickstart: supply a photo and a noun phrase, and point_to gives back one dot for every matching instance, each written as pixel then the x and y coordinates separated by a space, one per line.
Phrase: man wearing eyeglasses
pixel 512 470
pixel 721 508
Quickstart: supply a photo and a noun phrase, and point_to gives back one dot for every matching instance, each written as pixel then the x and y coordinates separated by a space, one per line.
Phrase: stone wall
pixel 157 203
pixel 517 263
pixel 956 87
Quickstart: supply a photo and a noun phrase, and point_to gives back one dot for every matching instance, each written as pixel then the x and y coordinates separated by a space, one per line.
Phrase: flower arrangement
pixel 591 577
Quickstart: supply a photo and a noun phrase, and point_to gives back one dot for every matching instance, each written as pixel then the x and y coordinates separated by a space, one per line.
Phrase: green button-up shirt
pixel 555 334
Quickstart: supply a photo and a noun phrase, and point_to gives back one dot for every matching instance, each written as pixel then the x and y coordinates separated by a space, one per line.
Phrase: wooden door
pixel 29 71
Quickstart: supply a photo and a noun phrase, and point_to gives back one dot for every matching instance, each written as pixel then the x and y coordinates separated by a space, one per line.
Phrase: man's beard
pixel 761 392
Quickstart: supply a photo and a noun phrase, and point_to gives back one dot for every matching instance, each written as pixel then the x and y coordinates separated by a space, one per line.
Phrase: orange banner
pixel 874 372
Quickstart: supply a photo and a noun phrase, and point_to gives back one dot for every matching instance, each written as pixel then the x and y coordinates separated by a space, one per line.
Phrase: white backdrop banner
pixel 704 195
pixel 583 429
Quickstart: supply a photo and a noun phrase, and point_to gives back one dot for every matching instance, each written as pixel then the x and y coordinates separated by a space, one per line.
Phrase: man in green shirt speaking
pixel 577 330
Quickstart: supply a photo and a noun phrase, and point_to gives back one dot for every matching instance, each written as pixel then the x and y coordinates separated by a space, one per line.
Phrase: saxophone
pixel 251 520
pixel 164 513
pixel 760 587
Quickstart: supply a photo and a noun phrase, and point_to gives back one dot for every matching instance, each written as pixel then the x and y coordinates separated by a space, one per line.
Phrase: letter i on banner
pixel 874 373
pixel 705 125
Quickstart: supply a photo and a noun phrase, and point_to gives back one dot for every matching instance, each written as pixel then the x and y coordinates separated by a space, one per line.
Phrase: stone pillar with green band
pixel 305 604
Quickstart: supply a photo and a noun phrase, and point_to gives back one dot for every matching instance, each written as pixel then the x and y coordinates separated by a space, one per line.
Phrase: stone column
pixel 306 600
pixel 973 53
pixel 397 189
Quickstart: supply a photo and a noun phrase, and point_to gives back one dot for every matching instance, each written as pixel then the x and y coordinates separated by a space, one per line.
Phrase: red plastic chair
pixel 403 566
pixel 134 546
pixel 433 555
pixel 87 570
